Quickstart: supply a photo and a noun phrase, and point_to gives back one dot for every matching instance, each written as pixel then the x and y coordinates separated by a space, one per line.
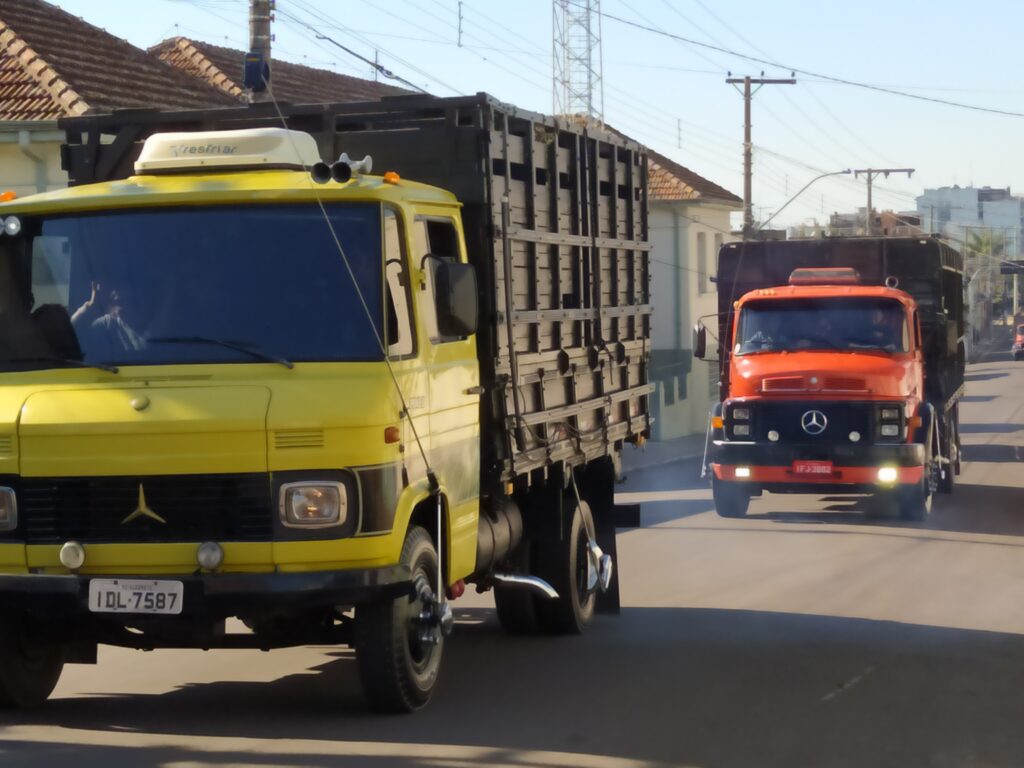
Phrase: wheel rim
pixel 421 653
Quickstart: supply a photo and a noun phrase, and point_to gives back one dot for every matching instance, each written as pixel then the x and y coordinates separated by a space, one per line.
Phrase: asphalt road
pixel 804 635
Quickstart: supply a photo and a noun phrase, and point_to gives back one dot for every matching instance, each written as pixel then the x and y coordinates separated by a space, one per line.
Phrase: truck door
pixel 453 379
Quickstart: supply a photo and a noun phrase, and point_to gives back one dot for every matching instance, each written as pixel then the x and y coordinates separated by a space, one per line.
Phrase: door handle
pixel 477 390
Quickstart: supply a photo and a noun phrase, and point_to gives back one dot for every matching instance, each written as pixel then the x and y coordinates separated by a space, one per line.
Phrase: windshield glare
pixel 225 284
pixel 817 324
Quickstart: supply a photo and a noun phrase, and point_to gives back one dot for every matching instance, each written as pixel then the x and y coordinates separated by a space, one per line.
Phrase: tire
pixel 562 561
pixel 915 502
pixel 947 480
pixel 517 612
pixel 30 664
pixel 397 670
pixel 732 500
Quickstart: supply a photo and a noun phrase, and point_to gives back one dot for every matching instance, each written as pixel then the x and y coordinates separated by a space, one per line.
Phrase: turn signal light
pixel 392 435
pixel 392 178
pixel 716 422
pixel 7 196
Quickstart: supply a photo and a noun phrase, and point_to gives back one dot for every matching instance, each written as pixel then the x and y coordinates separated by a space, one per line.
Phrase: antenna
pixel 577 81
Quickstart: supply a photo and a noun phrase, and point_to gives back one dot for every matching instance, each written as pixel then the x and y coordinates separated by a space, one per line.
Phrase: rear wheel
pixel 563 561
pixel 517 612
pixel 398 654
pixel 731 499
pixel 30 663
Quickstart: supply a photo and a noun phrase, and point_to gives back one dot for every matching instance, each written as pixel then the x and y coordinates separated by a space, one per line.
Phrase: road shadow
pixel 994 453
pixel 698 687
pixel 985 376
pixel 1000 429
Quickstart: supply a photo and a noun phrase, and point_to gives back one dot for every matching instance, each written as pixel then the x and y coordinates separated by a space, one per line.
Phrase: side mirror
pixel 700 341
pixel 455 298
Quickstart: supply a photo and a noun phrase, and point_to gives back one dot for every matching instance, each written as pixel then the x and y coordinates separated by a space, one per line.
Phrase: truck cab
pixel 850 356
pixel 220 383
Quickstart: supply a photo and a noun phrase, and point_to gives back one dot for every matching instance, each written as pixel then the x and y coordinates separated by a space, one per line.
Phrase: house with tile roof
pixel 222 68
pixel 54 64
pixel 689 222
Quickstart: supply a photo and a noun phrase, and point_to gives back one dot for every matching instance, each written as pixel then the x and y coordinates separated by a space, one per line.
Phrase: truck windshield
pixel 826 323
pixel 191 285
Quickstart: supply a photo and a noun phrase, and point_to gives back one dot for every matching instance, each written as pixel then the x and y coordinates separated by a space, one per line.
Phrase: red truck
pixel 841 365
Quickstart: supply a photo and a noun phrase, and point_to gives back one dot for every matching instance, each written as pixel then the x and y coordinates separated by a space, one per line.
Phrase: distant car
pixel 1018 343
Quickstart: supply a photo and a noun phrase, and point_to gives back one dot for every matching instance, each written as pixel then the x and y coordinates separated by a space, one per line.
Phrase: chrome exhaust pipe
pixel 527 582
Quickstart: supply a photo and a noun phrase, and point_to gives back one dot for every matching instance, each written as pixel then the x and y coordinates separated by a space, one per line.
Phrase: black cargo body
pixel 555 217
pixel 925 267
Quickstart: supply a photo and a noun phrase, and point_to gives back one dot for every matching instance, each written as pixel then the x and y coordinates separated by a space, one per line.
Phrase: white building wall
pixel 686 237
pixel 30 161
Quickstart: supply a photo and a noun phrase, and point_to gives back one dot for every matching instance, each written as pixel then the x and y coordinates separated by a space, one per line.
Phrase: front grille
pixel 195 508
pixel 785 418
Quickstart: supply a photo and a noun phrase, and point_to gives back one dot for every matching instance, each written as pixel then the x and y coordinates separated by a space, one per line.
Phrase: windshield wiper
pixel 68 361
pixel 238 346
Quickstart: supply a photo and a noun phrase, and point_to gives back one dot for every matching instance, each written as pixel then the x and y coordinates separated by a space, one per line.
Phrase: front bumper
pixel 854 466
pixel 213 596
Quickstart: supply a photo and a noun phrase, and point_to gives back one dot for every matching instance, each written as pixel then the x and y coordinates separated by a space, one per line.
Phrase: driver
pixel 103 320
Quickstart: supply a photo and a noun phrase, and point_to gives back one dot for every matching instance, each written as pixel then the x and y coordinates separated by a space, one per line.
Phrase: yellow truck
pixel 250 398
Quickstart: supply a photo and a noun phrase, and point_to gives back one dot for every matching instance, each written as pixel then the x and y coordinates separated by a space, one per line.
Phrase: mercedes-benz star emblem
pixel 813 422
pixel 142 510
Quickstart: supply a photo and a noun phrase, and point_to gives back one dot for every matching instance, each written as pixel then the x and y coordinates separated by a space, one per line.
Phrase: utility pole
pixel 748 147
pixel 870 174
pixel 257 60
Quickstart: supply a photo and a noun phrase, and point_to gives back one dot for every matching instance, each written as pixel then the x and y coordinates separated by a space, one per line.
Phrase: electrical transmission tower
pixel 577 84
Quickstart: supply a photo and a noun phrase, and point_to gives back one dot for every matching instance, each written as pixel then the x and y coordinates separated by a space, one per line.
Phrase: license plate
pixel 135 596
pixel 812 467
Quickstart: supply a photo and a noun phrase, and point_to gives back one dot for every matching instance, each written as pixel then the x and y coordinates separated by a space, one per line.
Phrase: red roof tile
pixel 295 83
pixel 70 67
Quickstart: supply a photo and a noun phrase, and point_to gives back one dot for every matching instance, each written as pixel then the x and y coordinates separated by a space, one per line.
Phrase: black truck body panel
pixel 555 217
pixel 925 267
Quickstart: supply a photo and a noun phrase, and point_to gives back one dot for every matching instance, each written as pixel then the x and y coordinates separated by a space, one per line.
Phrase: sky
pixel 672 96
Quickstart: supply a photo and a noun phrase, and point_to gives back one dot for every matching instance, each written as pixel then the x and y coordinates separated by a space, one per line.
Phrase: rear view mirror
pixel 700 341
pixel 455 299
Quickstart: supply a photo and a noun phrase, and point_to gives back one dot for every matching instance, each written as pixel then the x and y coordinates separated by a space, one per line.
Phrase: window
pixel 714 263
pixel 702 262
pixel 436 241
pixel 398 320
pixel 217 284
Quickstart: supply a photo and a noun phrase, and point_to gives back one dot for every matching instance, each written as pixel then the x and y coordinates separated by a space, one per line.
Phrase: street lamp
pixel 802 189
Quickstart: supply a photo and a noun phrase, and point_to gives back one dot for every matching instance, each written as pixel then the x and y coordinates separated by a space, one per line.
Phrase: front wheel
pixel 731 499
pixel 30 663
pixel 398 652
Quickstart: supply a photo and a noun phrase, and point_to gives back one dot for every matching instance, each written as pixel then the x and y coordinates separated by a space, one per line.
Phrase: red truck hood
pixel 825 374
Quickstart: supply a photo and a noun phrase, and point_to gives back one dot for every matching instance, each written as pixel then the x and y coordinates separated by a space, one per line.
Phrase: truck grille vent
pixel 783 384
pixel 6 445
pixel 838 384
pixel 194 508
pixel 298 438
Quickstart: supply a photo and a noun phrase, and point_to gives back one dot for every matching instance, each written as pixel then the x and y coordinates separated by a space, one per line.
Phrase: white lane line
pixel 839 690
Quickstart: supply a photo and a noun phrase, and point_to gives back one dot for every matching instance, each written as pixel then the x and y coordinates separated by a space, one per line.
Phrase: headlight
pixel 887 474
pixel 890 414
pixel 12 225
pixel 313 504
pixel 8 509
pixel 741 414
pixel 890 430
pixel 741 430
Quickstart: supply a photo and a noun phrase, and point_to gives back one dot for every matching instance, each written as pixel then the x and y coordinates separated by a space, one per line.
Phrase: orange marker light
pixel 392 435
pixel 7 196
pixel 392 178
pixel 716 422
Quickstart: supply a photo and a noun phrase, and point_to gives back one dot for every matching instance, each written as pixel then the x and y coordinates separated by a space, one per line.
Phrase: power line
pixel 810 73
